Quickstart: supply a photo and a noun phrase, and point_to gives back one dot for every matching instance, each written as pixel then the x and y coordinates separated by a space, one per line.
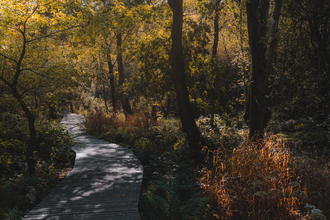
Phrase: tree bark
pixel 215 50
pixel 71 107
pixel 112 84
pixel 273 34
pixel 188 123
pixel 257 29
pixel 105 97
pixel 168 106
pixel 33 135
pixel 124 99
pixel 262 59
pixel 215 35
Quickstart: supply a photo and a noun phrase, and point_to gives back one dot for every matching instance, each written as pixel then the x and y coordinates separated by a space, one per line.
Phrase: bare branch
pixel 35 72
pixel 5 81
pixel 6 57
pixel 20 60
pixel 55 32
pixel 45 85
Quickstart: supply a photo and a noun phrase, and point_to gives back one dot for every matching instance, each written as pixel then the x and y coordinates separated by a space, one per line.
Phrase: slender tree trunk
pixel 32 132
pixel 13 86
pixel 33 135
pixel 120 59
pixel 215 51
pixel 105 97
pixel 112 84
pixel 52 110
pixel 273 35
pixel 243 68
pixel 188 123
pixel 124 100
pixel 71 107
pixel 215 35
pixel 168 106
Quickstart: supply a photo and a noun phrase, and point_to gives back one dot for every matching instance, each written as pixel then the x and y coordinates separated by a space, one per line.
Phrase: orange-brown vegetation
pixel 99 122
pixel 265 180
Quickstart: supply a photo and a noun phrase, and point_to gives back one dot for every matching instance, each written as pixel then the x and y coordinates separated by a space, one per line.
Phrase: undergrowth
pixel 169 188
pixel 239 179
pixel 52 154
pixel 265 180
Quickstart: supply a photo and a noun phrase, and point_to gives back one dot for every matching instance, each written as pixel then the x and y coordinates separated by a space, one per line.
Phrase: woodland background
pixel 225 103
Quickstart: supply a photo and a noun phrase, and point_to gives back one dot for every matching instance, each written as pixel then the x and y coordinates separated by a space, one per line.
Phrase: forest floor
pixel 286 176
pixel 174 184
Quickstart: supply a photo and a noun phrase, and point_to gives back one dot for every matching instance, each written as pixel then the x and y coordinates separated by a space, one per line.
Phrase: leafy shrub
pixel 13 141
pixel 263 180
pixel 226 133
pixel 171 200
pixel 303 129
pixel 53 144
pixel 170 192
pixel 52 152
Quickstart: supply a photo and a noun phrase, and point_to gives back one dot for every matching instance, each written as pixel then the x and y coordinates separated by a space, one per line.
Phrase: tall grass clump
pixel 98 122
pixel 264 180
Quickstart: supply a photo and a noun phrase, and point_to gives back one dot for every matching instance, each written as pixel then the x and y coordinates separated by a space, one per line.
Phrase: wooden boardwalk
pixel 104 183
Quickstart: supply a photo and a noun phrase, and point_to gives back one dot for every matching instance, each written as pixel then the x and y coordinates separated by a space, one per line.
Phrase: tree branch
pixel 6 57
pixel 5 81
pixel 54 33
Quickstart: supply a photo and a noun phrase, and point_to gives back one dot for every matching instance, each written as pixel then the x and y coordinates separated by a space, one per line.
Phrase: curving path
pixel 104 183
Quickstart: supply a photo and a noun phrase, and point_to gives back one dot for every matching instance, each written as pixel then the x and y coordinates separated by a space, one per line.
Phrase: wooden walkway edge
pixel 104 184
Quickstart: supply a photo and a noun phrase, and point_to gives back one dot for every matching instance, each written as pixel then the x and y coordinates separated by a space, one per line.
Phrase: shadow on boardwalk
pixel 104 183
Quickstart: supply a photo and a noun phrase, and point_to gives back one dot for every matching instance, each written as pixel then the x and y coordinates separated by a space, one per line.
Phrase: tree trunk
pixel 105 97
pixel 112 84
pixel 13 86
pixel 262 59
pixel 257 20
pixel 52 110
pixel 71 107
pixel 215 35
pixel 124 100
pixel 168 105
pixel 273 34
pixel 188 123
pixel 33 135
pixel 215 51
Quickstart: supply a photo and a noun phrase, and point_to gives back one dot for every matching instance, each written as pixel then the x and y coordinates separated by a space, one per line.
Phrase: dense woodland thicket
pixel 225 102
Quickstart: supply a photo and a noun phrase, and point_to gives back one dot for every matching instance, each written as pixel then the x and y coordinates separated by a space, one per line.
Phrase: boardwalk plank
pixel 104 183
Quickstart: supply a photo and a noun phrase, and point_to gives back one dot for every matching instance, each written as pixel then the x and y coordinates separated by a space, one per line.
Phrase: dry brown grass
pixel 98 122
pixel 264 180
